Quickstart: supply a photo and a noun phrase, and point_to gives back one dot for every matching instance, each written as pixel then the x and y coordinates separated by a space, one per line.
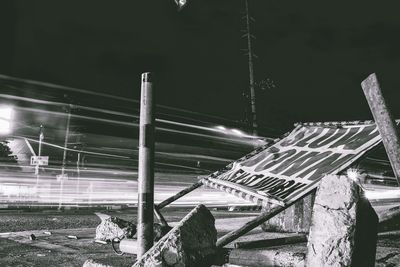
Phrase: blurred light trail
pixel 186 155
pixel 218 129
pixel 383 194
pixel 239 133
pixel 75 150
pixel 180 166
pixel 62 104
pixel 5 119
pixel 103 191
pixel 132 124
pixel 66 88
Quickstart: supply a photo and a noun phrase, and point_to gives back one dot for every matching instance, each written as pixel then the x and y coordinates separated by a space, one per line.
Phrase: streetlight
pixel 5 119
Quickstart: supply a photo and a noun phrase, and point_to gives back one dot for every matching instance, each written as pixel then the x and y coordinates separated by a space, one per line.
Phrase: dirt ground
pixel 17 249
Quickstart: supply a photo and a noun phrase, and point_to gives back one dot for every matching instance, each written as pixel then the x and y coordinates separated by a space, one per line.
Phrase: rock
pixel 190 243
pixel 295 219
pixel 344 226
pixel 114 227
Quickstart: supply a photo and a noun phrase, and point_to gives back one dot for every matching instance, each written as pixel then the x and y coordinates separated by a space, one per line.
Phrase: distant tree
pixel 6 156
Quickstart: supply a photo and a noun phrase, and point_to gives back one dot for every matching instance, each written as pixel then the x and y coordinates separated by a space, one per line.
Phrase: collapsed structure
pixel 277 175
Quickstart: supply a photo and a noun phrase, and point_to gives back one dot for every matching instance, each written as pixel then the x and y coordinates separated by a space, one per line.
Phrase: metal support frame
pixel 179 194
pixel 171 199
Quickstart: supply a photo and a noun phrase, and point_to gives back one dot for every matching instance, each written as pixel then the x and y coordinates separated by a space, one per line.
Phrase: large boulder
pixel 344 226
pixel 190 243
pixel 114 227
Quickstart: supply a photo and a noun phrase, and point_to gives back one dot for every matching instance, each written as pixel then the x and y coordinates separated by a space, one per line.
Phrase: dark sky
pixel 316 52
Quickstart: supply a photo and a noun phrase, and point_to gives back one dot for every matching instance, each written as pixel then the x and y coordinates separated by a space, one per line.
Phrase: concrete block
pixel 190 243
pixel 344 226
pixel 295 219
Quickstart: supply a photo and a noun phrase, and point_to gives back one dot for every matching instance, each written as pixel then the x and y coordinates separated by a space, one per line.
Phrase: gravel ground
pixel 13 221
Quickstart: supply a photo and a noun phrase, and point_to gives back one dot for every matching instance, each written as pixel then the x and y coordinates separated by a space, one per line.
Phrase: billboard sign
pixel 293 166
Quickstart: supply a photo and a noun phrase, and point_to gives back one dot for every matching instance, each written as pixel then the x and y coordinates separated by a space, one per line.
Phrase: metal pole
pixel 64 156
pixel 41 136
pixel 146 167
pixel 251 72
pixel 384 121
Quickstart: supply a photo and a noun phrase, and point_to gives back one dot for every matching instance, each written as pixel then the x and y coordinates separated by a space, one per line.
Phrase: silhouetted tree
pixel 6 156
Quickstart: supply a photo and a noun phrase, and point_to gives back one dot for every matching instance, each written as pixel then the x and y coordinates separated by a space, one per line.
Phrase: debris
pixel 92 263
pixel 262 243
pixel 47 232
pixel 100 242
pixel 72 237
pixel 40 255
pixel 32 237
pixel 112 227
pixel 190 243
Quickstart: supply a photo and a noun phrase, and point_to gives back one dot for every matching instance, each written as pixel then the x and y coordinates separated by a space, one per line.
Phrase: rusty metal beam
pixel 384 121
pixel 179 195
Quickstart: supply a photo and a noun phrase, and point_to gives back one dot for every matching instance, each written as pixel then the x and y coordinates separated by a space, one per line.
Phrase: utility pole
pixel 146 167
pixel 251 69
pixel 62 176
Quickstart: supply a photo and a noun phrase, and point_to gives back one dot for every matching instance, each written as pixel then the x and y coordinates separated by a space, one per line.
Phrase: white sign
pixel 41 161
pixel 62 177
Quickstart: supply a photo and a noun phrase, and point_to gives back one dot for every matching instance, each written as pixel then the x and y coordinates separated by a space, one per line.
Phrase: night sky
pixel 316 52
